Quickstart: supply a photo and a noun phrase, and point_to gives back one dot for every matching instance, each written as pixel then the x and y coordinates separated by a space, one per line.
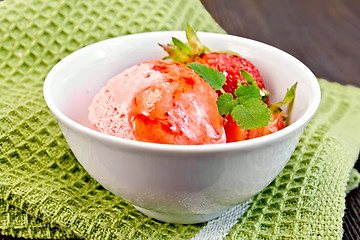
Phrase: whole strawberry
pixel 243 101
pixel 229 63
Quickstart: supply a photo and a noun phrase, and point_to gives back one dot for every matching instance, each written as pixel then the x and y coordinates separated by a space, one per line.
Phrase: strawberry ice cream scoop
pixel 159 102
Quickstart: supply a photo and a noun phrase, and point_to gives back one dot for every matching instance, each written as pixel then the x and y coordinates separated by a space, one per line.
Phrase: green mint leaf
pixel 289 97
pixel 212 76
pixel 246 92
pixel 225 103
pixel 248 77
pixel 254 113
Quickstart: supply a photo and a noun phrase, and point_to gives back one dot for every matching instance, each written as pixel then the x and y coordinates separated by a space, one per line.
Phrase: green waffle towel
pixel 45 193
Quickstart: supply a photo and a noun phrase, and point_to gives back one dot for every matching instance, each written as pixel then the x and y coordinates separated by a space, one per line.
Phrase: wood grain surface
pixel 323 34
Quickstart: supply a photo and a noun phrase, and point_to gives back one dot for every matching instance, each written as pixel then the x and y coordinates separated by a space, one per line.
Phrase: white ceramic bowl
pixel 174 183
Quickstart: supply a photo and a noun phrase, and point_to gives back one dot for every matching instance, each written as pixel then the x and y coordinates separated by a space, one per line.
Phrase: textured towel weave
pixel 45 193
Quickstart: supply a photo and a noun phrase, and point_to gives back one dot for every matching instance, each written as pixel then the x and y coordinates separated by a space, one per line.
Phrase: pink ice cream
pixel 159 102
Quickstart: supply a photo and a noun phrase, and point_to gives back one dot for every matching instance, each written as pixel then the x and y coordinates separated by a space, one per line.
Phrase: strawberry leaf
pixel 225 103
pixel 196 46
pixel 185 52
pixel 254 113
pixel 246 92
pixel 289 97
pixel 228 52
pixel 212 76
pixel 248 77
pixel 182 46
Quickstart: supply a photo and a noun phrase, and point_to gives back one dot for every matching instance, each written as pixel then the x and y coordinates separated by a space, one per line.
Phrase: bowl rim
pixel 209 148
